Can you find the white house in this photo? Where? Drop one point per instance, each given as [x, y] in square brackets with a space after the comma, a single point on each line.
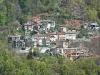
[61, 36]
[63, 28]
[71, 35]
[40, 39]
[28, 25]
[40, 42]
[53, 37]
[65, 44]
[48, 23]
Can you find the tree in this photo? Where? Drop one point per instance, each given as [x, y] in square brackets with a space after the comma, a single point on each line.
[83, 32]
[92, 14]
[3, 12]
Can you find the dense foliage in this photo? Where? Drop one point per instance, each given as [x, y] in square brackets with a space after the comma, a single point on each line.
[47, 65]
[12, 10]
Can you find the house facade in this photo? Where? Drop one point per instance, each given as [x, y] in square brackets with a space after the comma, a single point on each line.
[16, 42]
[28, 25]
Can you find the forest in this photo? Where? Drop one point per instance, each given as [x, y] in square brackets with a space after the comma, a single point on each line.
[17, 12]
[11, 64]
[20, 10]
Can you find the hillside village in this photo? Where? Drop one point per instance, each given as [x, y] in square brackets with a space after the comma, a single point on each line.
[46, 37]
[49, 37]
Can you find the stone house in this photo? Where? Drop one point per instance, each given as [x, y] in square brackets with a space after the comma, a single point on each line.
[16, 42]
